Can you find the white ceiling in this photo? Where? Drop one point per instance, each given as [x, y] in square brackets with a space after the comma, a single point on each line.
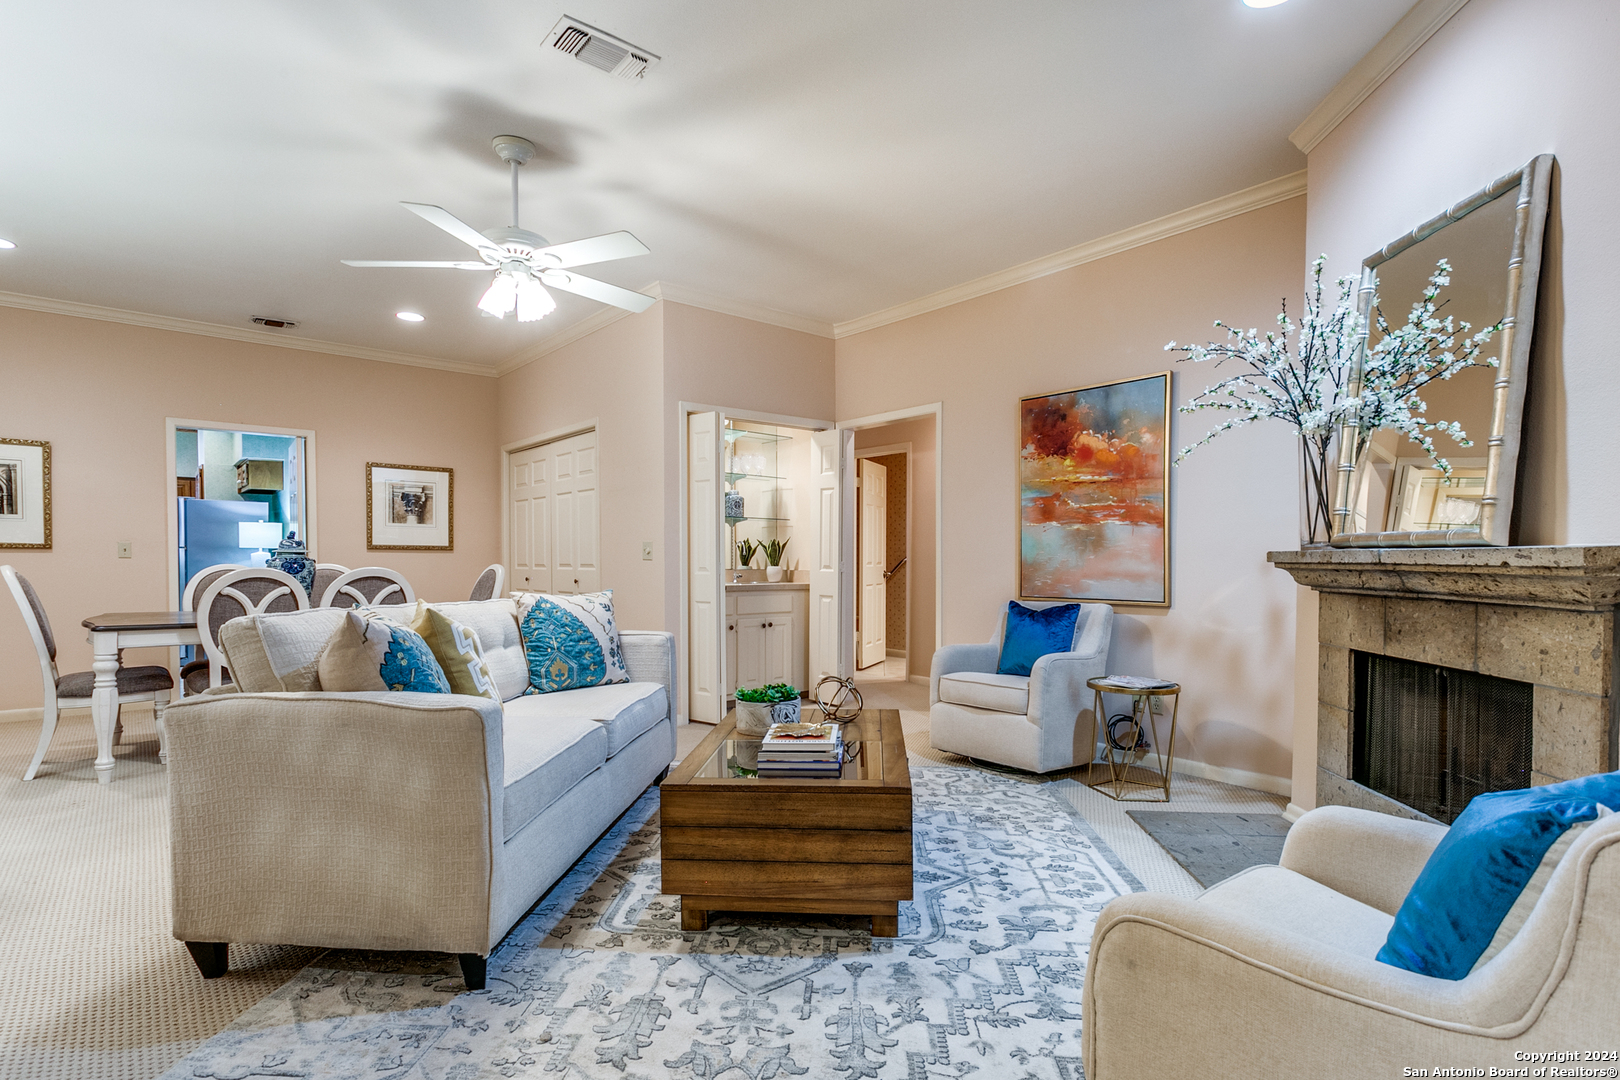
[213, 161]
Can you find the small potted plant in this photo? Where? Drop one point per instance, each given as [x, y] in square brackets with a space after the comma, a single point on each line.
[745, 553]
[758, 709]
[774, 550]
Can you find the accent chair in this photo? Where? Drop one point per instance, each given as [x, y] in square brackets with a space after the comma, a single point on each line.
[1040, 722]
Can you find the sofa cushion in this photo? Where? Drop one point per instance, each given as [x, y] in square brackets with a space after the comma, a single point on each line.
[1292, 902]
[367, 652]
[545, 756]
[495, 623]
[571, 641]
[1032, 633]
[457, 649]
[986, 690]
[623, 710]
[277, 652]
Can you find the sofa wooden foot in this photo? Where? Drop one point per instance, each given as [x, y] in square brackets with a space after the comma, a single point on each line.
[211, 957]
[474, 970]
[661, 777]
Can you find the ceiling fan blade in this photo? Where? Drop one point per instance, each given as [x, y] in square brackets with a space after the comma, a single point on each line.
[598, 290]
[594, 249]
[441, 265]
[444, 219]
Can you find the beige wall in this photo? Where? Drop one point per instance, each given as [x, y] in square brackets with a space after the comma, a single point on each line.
[921, 569]
[1443, 126]
[1229, 635]
[99, 393]
[613, 378]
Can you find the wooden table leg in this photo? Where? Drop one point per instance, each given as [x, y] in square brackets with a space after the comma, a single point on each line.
[104, 700]
[693, 918]
[887, 925]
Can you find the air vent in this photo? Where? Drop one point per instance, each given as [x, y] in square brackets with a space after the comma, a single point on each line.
[602, 51]
[279, 324]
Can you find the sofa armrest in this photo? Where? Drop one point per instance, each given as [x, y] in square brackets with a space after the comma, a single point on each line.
[649, 656]
[951, 658]
[346, 820]
[1367, 856]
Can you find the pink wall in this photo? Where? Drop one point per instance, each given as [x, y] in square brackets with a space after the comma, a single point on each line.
[614, 378]
[99, 393]
[1500, 83]
[1229, 635]
[920, 570]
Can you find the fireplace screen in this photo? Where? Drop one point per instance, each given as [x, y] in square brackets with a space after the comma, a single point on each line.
[1434, 737]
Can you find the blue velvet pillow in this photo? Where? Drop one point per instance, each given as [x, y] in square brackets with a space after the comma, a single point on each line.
[1471, 881]
[1032, 633]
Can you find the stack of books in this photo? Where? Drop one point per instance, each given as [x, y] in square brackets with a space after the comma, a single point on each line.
[802, 750]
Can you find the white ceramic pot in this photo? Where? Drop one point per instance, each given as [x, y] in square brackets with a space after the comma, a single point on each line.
[773, 573]
[753, 717]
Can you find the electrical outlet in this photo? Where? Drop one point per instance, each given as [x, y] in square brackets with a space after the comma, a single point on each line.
[646, 550]
[126, 549]
[1158, 704]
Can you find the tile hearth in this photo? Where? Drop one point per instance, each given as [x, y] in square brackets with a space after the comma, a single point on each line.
[1539, 615]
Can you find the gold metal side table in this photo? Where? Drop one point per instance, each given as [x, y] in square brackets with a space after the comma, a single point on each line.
[1123, 762]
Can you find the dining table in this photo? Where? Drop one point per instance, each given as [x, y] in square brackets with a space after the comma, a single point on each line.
[110, 634]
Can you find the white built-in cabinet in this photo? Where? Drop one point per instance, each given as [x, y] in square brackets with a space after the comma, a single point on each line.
[555, 517]
[767, 635]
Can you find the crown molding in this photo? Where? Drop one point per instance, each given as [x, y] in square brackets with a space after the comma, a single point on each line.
[236, 333]
[1382, 60]
[584, 328]
[680, 294]
[1239, 202]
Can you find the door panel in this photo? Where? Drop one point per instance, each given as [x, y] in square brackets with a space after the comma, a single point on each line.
[706, 700]
[872, 600]
[832, 612]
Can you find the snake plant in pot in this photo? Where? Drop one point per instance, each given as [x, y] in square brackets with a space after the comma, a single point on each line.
[774, 550]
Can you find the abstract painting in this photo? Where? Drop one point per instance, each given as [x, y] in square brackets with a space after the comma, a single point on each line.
[1093, 508]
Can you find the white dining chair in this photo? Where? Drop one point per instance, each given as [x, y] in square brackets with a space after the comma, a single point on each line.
[73, 690]
[243, 591]
[369, 586]
[325, 574]
[489, 583]
[194, 674]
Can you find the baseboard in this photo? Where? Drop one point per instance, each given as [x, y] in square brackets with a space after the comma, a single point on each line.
[1293, 813]
[1271, 785]
[22, 716]
[897, 653]
[920, 680]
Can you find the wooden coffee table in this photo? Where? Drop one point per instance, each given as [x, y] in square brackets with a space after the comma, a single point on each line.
[735, 842]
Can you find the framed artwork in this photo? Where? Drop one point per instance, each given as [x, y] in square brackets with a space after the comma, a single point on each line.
[409, 508]
[1094, 493]
[25, 494]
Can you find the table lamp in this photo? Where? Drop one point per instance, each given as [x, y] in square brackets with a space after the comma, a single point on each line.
[258, 534]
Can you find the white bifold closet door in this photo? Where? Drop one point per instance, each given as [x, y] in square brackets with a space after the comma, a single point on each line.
[556, 517]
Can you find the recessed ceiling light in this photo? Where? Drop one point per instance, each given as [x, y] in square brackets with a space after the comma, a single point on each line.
[6, 245]
[408, 316]
[1263, 3]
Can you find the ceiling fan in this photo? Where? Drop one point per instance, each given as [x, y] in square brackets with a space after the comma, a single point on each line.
[522, 260]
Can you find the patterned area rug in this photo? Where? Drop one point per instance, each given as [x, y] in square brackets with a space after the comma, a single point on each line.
[599, 981]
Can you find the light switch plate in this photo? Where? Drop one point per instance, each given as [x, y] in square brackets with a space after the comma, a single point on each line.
[646, 550]
[126, 549]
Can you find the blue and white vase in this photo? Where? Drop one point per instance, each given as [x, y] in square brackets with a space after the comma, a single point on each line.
[292, 559]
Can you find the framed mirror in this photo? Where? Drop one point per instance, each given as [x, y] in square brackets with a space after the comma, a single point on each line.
[1392, 494]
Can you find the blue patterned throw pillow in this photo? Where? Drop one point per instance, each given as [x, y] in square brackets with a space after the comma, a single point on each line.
[570, 641]
[369, 653]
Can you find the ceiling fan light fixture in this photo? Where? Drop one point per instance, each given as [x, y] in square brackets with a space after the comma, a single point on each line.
[408, 316]
[501, 296]
[6, 245]
[1262, 3]
[533, 301]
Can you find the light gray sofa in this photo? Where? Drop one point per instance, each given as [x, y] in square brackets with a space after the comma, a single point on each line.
[396, 820]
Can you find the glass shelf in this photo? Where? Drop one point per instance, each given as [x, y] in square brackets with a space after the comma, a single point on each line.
[733, 477]
[733, 434]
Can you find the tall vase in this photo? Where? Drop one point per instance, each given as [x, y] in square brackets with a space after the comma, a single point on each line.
[1316, 493]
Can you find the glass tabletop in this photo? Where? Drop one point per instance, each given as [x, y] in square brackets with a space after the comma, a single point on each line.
[738, 759]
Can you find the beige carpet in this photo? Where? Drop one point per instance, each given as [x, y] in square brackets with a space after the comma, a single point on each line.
[99, 989]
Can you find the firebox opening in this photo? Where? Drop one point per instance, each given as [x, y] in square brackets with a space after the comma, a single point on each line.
[1434, 737]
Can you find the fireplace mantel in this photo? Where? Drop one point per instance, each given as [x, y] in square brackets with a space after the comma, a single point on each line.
[1539, 615]
[1568, 578]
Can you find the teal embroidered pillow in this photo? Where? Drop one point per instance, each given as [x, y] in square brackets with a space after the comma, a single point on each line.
[570, 641]
[369, 653]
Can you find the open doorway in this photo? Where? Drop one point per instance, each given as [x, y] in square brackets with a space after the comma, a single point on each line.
[882, 554]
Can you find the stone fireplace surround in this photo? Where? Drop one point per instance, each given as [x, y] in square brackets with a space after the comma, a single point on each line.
[1540, 615]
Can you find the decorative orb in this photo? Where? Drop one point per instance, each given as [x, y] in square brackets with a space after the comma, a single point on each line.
[841, 702]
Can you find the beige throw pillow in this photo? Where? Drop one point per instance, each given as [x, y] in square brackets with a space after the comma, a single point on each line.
[459, 652]
[369, 653]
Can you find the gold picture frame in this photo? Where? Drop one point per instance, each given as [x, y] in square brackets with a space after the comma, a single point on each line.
[1094, 493]
[25, 495]
[410, 507]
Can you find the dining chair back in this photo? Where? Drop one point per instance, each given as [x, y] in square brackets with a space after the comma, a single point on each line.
[201, 580]
[489, 583]
[72, 691]
[325, 574]
[368, 586]
[244, 591]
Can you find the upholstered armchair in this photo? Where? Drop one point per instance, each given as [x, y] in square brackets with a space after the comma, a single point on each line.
[1040, 722]
[1272, 971]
